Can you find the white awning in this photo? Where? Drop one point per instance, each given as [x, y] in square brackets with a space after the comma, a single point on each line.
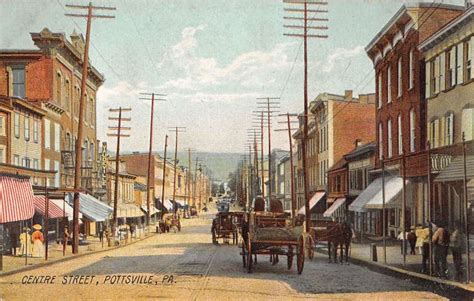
[153, 209]
[129, 210]
[312, 202]
[168, 205]
[371, 197]
[67, 208]
[330, 211]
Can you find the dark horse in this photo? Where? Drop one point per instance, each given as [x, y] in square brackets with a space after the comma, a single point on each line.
[339, 235]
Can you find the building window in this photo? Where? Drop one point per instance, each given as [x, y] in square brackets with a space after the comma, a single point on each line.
[67, 95]
[16, 160]
[451, 76]
[433, 138]
[449, 129]
[47, 134]
[2, 124]
[25, 162]
[459, 63]
[59, 87]
[469, 50]
[2, 154]
[411, 76]
[389, 137]
[18, 81]
[16, 125]
[56, 175]
[35, 130]
[441, 71]
[389, 84]
[400, 134]
[412, 130]
[35, 164]
[27, 128]
[380, 141]
[433, 76]
[399, 77]
[379, 90]
[57, 137]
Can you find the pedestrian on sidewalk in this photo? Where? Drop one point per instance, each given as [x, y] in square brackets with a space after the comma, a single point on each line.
[441, 246]
[403, 241]
[411, 237]
[419, 238]
[457, 246]
[37, 238]
[101, 232]
[424, 236]
[25, 242]
[14, 241]
[66, 236]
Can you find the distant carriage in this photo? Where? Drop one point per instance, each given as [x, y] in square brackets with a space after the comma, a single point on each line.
[171, 222]
[337, 235]
[225, 226]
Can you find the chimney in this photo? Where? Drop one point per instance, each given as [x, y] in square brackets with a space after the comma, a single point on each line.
[358, 142]
[348, 95]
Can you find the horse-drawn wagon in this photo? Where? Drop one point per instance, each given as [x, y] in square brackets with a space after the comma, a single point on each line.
[267, 233]
[335, 234]
[171, 221]
[225, 225]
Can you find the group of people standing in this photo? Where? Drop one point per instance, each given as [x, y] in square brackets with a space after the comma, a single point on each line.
[443, 241]
[30, 244]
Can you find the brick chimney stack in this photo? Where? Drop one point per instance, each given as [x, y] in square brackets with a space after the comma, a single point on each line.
[348, 95]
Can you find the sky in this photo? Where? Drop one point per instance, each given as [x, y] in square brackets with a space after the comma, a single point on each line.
[212, 59]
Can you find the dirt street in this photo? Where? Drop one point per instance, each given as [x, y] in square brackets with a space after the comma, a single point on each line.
[187, 266]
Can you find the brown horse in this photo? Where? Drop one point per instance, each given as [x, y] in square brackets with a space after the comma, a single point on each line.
[339, 235]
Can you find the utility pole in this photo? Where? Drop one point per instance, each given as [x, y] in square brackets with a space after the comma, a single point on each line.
[176, 130]
[164, 179]
[268, 108]
[305, 37]
[290, 143]
[188, 177]
[258, 122]
[117, 132]
[80, 125]
[196, 161]
[148, 178]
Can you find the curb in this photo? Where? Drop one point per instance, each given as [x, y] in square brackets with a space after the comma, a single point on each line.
[49, 263]
[447, 288]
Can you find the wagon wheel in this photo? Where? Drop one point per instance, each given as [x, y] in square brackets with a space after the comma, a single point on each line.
[244, 260]
[290, 257]
[309, 243]
[249, 255]
[300, 255]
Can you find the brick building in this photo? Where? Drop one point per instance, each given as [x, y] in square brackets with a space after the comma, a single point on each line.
[50, 78]
[400, 112]
[336, 123]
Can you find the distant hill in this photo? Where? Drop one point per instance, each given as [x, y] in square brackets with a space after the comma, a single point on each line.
[219, 164]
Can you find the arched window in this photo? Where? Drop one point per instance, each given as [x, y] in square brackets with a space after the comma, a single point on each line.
[380, 141]
[400, 134]
[389, 138]
[67, 92]
[59, 87]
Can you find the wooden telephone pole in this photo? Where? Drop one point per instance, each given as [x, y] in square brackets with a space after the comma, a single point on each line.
[176, 130]
[117, 132]
[80, 130]
[151, 96]
[164, 180]
[290, 143]
[305, 27]
[268, 108]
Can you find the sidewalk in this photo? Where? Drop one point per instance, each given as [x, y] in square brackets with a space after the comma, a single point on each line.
[55, 253]
[361, 252]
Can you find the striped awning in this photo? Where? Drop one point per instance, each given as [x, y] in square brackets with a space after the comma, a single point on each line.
[331, 210]
[318, 196]
[153, 209]
[53, 210]
[455, 170]
[67, 208]
[16, 199]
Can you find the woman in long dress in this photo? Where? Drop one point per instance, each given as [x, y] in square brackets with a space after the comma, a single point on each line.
[37, 238]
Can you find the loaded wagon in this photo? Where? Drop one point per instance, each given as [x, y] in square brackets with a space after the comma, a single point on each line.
[267, 233]
[225, 225]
